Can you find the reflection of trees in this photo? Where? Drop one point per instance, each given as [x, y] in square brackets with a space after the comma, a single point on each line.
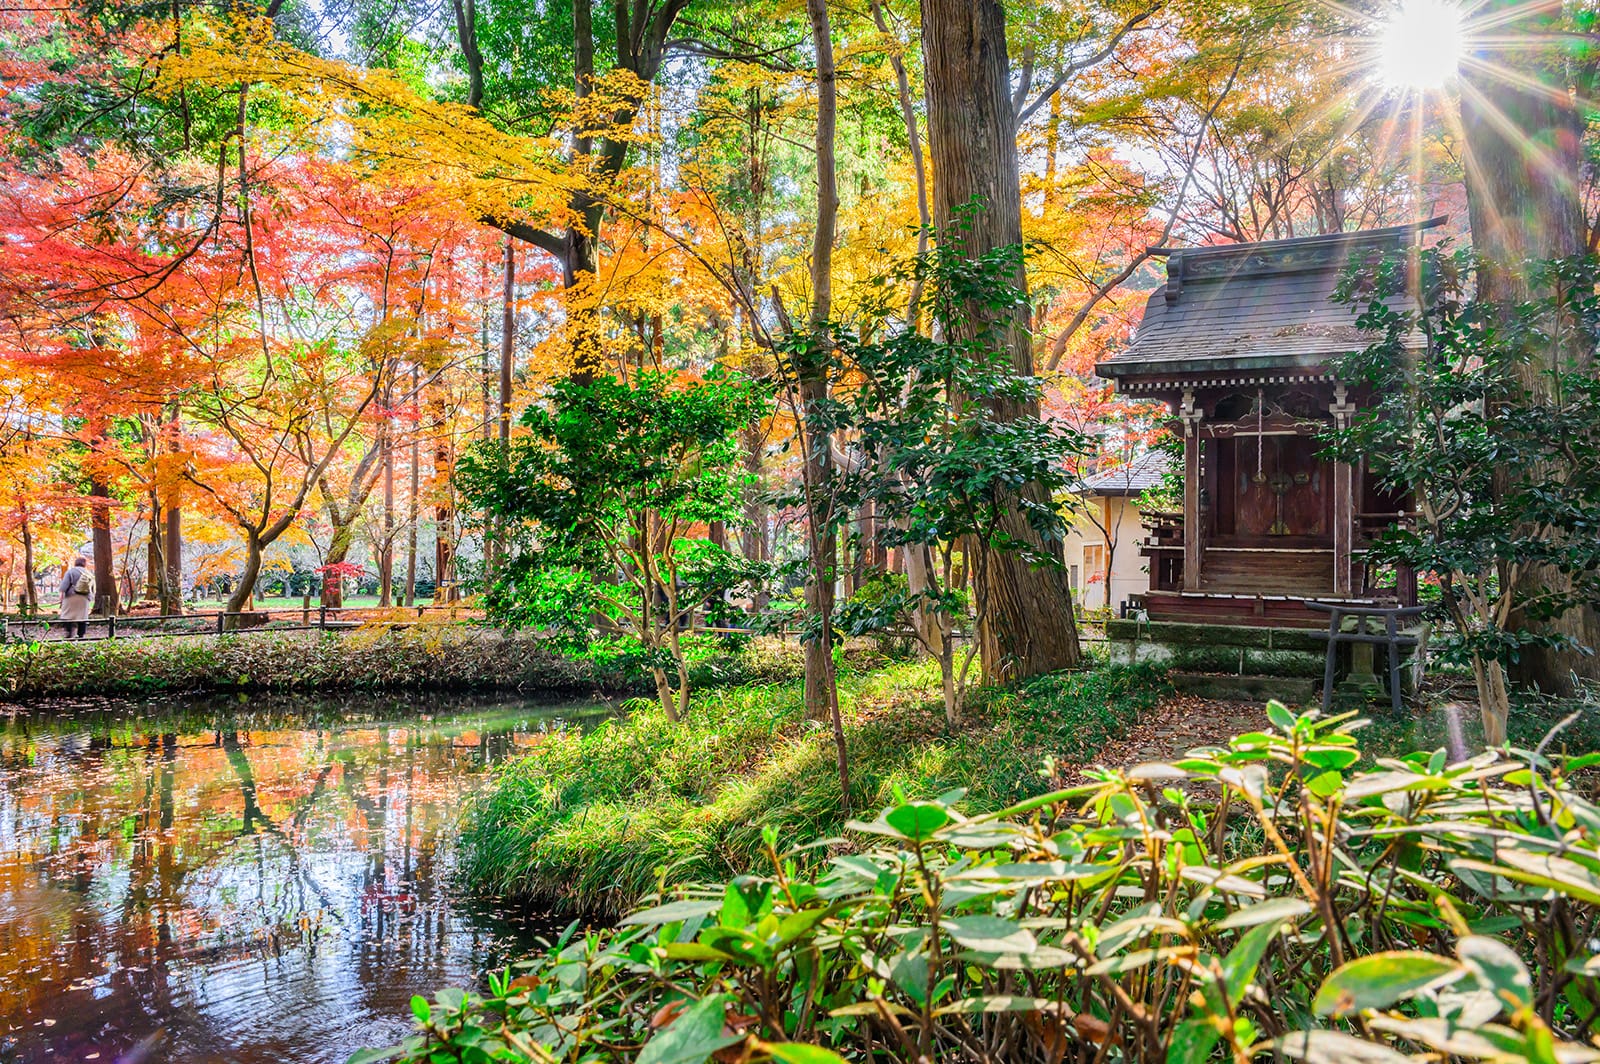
[179, 837]
[254, 818]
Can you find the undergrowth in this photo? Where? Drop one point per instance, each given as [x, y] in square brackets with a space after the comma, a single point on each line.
[593, 822]
[1446, 717]
[426, 657]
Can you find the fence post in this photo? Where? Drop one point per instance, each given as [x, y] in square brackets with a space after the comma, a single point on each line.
[111, 627]
[322, 617]
[221, 618]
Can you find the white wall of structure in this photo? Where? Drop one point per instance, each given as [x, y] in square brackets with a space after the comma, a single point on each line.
[1097, 583]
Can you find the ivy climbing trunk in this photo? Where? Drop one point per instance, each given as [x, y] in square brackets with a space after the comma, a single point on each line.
[1025, 626]
[1523, 156]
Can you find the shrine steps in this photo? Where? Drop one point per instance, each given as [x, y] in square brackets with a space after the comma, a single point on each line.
[1248, 663]
[1306, 573]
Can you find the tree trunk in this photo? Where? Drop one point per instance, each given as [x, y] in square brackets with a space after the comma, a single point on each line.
[386, 554]
[339, 544]
[1523, 158]
[154, 563]
[172, 545]
[415, 486]
[508, 337]
[30, 587]
[754, 536]
[821, 683]
[1026, 627]
[444, 513]
[239, 601]
[105, 572]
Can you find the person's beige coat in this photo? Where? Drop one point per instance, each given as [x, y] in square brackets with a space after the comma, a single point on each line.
[74, 607]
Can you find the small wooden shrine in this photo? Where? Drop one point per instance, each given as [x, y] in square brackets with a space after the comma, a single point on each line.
[1240, 342]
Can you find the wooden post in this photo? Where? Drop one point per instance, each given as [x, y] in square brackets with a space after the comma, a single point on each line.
[1344, 510]
[1343, 528]
[1192, 542]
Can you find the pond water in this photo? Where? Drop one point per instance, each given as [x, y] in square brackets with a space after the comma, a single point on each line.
[261, 879]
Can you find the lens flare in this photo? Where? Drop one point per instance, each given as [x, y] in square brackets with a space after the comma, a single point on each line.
[1420, 45]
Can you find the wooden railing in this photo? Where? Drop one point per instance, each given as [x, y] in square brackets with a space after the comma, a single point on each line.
[21, 627]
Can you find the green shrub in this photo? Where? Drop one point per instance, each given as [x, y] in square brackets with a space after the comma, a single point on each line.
[596, 821]
[424, 657]
[1271, 898]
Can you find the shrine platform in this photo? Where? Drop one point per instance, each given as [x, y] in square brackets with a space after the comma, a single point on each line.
[1242, 608]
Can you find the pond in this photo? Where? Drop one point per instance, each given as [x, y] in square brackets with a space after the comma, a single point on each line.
[261, 879]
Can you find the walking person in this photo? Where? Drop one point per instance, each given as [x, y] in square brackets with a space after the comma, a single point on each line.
[77, 596]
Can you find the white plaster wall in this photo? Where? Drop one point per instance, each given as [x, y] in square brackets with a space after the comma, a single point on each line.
[1130, 570]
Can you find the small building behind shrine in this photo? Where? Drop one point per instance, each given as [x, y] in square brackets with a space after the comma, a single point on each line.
[1106, 535]
[1241, 344]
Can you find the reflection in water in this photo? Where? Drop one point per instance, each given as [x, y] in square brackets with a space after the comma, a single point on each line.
[239, 881]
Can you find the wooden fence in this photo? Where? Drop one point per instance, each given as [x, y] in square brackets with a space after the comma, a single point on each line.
[22, 628]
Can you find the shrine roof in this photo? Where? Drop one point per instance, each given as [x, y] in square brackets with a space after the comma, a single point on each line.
[1254, 306]
[1134, 478]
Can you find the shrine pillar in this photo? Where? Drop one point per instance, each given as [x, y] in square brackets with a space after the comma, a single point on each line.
[1344, 509]
[1193, 545]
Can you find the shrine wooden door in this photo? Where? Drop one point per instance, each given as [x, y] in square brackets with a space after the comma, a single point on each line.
[1281, 489]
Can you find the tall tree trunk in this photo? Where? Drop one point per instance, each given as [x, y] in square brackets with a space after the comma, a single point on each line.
[1523, 157]
[239, 601]
[172, 555]
[753, 537]
[30, 586]
[821, 684]
[1026, 627]
[486, 375]
[444, 512]
[105, 571]
[508, 350]
[411, 514]
[154, 563]
[340, 542]
[172, 545]
[386, 554]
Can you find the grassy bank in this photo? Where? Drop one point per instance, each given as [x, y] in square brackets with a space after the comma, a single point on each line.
[595, 821]
[420, 658]
[1446, 717]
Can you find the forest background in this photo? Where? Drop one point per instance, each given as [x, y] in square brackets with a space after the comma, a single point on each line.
[267, 272]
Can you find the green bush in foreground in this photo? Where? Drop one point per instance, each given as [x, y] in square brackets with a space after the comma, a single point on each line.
[1266, 899]
[596, 821]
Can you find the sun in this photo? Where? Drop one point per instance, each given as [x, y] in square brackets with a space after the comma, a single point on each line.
[1420, 45]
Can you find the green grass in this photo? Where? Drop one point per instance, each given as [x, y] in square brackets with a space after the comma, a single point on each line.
[1449, 719]
[591, 823]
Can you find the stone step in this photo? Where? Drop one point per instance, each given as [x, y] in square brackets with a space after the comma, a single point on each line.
[1291, 691]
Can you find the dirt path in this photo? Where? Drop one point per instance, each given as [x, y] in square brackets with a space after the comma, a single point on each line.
[1180, 724]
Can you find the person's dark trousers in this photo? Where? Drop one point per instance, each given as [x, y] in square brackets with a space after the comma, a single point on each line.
[82, 626]
[83, 629]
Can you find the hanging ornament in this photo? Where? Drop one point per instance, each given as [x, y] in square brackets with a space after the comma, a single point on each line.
[1261, 409]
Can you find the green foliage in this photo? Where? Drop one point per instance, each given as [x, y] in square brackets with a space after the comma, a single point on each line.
[599, 820]
[597, 499]
[418, 659]
[942, 436]
[1166, 495]
[1488, 418]
[1266, 898]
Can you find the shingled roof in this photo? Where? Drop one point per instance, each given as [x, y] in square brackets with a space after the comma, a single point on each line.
[1136, 477]
[1254, 306]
